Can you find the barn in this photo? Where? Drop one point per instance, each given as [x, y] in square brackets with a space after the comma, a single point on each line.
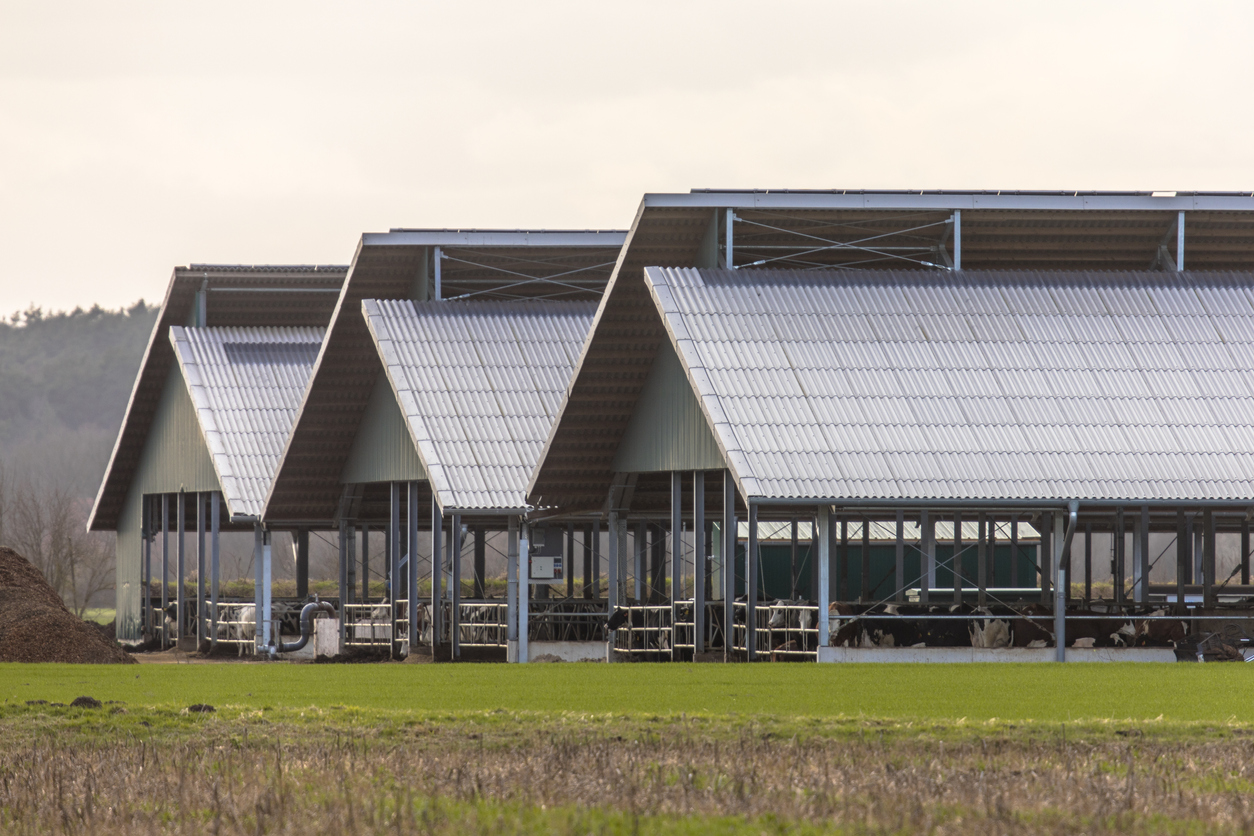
[208, 416]
[974, 382]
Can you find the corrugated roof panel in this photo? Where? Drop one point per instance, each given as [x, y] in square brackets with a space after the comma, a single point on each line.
[486, 378]
[246, 384]
[1123, 389]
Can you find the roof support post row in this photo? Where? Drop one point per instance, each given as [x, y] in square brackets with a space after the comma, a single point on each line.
[180, 569]
[729, 563]
[698, 561]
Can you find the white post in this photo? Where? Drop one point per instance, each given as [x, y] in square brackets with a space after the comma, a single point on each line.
[824, 558]
[524, 592]
[731, 216]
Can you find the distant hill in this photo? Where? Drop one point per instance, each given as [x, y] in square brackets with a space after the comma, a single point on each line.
[65, 378]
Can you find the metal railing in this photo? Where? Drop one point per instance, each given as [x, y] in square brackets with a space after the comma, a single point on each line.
[647, 632]
[368, 625]
[483, 624]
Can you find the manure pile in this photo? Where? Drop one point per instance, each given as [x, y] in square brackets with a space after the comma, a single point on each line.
[36, 627]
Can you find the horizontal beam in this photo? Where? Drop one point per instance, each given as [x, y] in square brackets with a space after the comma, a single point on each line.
[1044, 201]
[609, 239]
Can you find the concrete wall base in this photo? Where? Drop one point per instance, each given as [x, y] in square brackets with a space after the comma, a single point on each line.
[1001, 654]
[565, 651]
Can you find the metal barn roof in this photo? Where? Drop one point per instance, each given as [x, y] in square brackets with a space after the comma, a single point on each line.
[391, 265]
[236, 295]
[479, 384]
[992, 386]
[246, 384]
[1092, 231]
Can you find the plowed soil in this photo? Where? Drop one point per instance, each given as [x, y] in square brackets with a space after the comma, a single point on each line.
[36, 627]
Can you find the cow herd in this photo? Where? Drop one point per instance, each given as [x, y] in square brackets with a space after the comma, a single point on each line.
[962, 625]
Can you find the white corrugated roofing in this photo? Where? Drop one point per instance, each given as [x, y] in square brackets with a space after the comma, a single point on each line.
[246, 385]
[985, 386]
[480, 384]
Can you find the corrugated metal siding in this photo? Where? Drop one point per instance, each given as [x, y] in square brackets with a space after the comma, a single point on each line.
[479, 384]
[667, 431]
[383, 450]
[175, 456]
[982, 386]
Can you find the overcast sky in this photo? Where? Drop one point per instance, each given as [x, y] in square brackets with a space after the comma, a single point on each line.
[139, 136]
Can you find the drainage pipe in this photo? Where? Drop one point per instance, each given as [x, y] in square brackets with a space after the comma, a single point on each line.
[306, 626]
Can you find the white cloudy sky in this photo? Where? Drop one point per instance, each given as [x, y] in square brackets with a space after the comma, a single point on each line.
[135, 136]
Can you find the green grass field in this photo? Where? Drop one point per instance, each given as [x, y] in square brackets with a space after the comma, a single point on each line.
[626, 749]
[1044, 693]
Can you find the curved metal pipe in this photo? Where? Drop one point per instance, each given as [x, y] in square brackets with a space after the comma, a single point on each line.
[306, 627]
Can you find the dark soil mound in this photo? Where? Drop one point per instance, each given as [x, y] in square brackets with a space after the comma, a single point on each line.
[36, 627]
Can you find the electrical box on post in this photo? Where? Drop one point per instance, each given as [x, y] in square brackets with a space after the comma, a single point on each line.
[546, 555]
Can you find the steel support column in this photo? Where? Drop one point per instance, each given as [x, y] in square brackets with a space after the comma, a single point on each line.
[267, 589]
[956, 561]
[751, 586]
[899, 560]
[394, 590]
[843, 592]
[437, 570]
[957, 239]
[1121, 546]
[1182, 559]
[215, 519]
[481, 564]
[611, 569]
[1208, 558]
[165, 568]
[729, 562]
[864, 570]
[1088, 562]
[511, 588]
[569, 566]
[677, 542]
[180, 551]
[641, 544]
[824, 530]
[200, 570]
[1014, 551]
[1144, 562]
[792, 560]
[927, 533]
[302, 563]
[1245, 550]
[365, 564]
[524, 587]
[258, 606]
[698, 561]
[1180, 240]
[981, 560]
[587, 562]
[455, 620]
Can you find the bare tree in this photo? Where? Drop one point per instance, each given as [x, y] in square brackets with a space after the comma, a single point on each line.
[46, 524]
